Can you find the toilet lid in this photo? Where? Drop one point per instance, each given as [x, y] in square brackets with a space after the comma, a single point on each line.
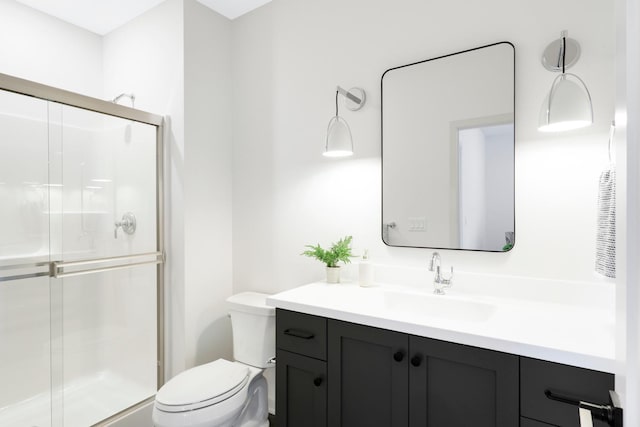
[203, 385]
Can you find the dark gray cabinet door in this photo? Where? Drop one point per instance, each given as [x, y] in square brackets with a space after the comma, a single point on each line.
[301, 387]
[538, 376]
[368, 376]
[453, 385]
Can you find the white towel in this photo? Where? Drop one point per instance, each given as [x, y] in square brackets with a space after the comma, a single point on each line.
[606, 234]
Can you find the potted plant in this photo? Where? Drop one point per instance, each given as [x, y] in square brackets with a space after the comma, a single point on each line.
[339, 252]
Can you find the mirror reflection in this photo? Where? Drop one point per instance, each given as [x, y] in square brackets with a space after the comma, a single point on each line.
[448, 151]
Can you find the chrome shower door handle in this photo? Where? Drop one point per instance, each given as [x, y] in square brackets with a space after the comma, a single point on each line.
[128, 224]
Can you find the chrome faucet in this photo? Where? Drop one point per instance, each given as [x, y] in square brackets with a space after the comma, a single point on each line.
[440, 283]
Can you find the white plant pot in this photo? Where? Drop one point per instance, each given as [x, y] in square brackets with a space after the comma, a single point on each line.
[333, 274]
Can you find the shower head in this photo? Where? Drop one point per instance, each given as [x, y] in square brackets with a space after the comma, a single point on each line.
[131, 96]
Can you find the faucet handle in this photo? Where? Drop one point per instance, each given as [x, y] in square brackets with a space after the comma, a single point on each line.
[432, 262]
[447, 280]
[128, 224]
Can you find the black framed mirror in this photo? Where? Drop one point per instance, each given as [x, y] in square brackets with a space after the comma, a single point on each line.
[448, 143]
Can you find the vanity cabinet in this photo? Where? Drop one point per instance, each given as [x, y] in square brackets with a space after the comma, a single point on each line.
[381, 378]
[301, 370]
[341, 374]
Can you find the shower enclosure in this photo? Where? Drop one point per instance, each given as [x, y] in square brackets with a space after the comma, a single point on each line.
[81, 257]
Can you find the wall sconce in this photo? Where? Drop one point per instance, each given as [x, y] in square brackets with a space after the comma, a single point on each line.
[339, 140]
[568, 103]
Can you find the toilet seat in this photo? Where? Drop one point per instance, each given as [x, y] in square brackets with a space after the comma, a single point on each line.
[203, 386]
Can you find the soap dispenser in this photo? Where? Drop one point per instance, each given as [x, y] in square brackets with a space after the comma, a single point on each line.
[365, 271]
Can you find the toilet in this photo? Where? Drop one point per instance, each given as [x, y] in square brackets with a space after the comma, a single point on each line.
[224, 393]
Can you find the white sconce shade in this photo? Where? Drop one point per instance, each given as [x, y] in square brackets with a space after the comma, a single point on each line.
[567, 106]
[339, 139]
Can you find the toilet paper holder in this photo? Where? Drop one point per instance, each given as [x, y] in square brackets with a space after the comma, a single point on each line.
[610, 413]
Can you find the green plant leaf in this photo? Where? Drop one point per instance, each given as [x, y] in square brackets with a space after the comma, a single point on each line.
[339, 252]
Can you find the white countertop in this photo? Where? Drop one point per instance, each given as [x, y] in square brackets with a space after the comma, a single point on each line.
[576, 331]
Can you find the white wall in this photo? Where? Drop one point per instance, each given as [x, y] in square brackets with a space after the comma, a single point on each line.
[39, 47]
[254, 258]
[207, 183]
[292, 54]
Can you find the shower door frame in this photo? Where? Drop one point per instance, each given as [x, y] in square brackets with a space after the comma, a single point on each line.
[61, 96]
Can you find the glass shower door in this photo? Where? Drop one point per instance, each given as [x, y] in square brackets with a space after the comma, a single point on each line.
[25, 300]
[104, 245]
[80, 280]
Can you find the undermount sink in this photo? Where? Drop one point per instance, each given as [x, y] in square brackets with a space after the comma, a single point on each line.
[438, 306]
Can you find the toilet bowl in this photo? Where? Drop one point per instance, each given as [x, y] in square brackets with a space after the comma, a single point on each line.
[224, 393]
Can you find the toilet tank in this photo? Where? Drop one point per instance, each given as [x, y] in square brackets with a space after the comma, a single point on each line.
[254, 328]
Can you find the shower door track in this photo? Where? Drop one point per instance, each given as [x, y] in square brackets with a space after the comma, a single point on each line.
[55, 269]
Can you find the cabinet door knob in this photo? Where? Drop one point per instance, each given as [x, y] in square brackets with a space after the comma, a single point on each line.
[416, 360]
[398, 356]
[317, 381]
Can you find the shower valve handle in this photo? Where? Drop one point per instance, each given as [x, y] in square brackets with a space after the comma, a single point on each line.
[128, 224]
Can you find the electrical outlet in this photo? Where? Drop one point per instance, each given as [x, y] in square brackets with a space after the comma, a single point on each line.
[417, 223]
